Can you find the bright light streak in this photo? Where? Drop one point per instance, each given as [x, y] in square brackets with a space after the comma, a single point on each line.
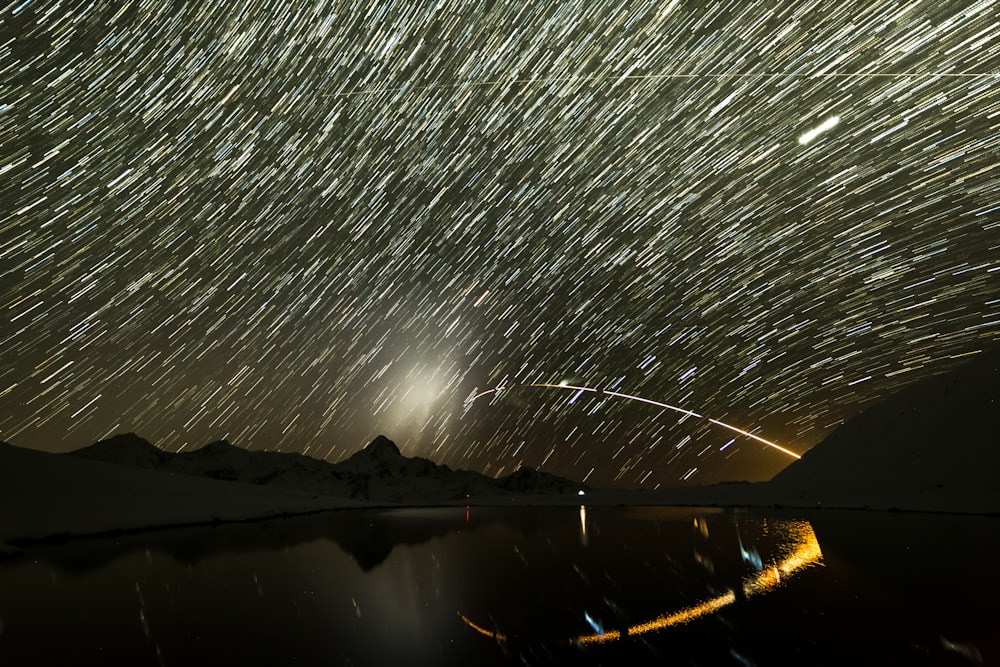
[669, 8]
[594, 624]
[483, 393]
[659, 404]
[481, 630]
[665, 76]
[826, 125]
[804, 551]
[756, 437]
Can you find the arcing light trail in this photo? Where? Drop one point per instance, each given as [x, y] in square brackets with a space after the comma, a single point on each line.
[598, 78]
[659, 404]
[804, 552]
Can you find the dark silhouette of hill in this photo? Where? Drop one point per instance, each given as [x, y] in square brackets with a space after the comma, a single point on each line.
[379, 472]
[932, 445]
[527, 480]
[126, 449]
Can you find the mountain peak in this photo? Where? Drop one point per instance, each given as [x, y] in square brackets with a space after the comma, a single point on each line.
[220, 445]
[382, 447]
[126, 440]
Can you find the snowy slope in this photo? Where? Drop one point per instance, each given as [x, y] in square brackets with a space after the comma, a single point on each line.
[379, 472]
[44, 495]
[223, 461]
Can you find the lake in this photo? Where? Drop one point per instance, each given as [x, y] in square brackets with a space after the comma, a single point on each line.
[479, 585]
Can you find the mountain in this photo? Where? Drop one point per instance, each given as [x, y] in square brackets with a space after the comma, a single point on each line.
[379, 472]
[529, 480]
[221, 460]
[50, 496]
[932, 445]
[125, 449]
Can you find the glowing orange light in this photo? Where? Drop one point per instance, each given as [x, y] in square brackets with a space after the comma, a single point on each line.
[804, 551]
[481, 630]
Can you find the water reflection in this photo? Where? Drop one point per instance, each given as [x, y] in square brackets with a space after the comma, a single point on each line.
[799, 549]
[369, 536]
[487, 586]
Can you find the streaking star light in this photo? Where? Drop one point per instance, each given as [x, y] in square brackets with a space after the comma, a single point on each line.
[825, 126]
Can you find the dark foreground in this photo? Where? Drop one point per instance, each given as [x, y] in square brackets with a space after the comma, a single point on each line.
[607, 585]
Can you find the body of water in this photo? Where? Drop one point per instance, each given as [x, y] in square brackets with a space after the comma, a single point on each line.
[521, 585]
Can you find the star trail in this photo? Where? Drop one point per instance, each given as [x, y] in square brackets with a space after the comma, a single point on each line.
[300, 224]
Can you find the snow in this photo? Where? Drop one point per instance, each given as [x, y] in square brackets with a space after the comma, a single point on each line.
[46, 496]
[379, 472]
[49, 495]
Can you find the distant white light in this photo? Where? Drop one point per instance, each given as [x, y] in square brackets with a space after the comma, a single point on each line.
[580, 492]
[669, 8]
[765, 153]
[826, 125]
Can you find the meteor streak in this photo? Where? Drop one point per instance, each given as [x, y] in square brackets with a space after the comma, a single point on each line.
[606, 392]
[597, 78]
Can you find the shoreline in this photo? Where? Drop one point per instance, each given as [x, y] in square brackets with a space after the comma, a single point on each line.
[16, 546]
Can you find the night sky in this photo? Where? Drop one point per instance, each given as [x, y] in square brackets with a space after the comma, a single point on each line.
[297, 225]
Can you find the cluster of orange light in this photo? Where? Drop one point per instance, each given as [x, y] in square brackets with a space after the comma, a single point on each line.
[685, 615]
[805, 551]
[481, 630]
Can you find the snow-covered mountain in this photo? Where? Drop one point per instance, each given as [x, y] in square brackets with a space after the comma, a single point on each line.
[378, 472]
[47, 496]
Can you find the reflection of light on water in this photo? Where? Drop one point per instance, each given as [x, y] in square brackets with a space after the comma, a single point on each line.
[801, 552]
[481, 630]
[598, 628]
[583, 525]
[678, 617]
[805, 551]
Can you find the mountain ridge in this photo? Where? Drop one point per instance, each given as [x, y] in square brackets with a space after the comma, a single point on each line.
[379, 471]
